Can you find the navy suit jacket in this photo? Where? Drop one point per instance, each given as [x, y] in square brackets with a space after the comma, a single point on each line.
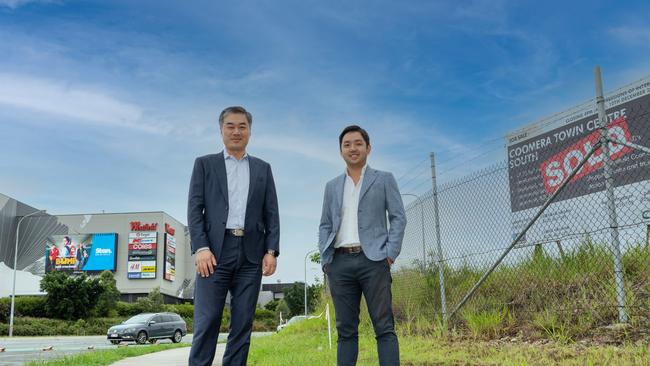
[207, 209]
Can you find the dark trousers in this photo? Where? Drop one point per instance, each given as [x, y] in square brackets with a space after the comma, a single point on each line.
[242, 278]
[350, 276]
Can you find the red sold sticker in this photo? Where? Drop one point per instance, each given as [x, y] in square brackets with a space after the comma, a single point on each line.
[556, 169]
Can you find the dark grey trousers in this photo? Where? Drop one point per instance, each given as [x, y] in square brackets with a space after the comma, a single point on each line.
[350, 276]
[242, 278]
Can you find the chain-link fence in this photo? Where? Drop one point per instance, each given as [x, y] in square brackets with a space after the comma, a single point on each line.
[554, 240]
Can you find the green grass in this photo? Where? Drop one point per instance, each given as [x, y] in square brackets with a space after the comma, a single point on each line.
[306, 343]
[105, 357]
[566, 297]
[487, 323]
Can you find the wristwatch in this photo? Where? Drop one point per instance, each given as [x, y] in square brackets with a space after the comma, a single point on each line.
[271, 252]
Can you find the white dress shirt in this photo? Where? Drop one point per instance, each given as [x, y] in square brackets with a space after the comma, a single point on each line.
[238, 173]
[348, 234]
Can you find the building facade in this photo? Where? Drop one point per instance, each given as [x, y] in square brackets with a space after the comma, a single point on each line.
[144, 250]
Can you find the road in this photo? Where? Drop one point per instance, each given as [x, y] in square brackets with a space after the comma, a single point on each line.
[19, 350]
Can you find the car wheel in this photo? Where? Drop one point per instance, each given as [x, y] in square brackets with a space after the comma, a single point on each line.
[178, 336]
[115, 342]
[142, 337]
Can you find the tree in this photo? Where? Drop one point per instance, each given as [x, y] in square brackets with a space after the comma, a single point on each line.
[70, 297]
[294, 296]
[109, 297]
[271, 305]
[151, 303]
[282, 310]
[315, 258]
[156, 298]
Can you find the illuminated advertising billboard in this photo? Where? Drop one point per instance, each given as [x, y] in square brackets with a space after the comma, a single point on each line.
[142, 254]
[81, 252]
[170, 257]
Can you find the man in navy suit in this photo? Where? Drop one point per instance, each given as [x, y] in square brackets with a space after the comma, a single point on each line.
[234, 226]
[360, 236]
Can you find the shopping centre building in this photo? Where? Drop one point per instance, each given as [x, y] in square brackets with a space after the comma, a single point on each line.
[144, 250]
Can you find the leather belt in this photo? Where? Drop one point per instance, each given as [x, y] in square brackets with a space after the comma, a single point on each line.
[349, 250]
[235, 232]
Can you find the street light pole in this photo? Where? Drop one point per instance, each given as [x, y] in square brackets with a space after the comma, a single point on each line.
[13, 291]
[307, 255]
[424, 248]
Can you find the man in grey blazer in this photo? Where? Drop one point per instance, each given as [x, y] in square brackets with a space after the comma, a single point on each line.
[234, 226]
[358, 247]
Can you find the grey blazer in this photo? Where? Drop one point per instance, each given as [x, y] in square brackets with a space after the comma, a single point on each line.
[207, 208]
[379, 195]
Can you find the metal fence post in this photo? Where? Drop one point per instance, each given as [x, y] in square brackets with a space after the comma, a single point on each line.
[441, 270]
[611, 204]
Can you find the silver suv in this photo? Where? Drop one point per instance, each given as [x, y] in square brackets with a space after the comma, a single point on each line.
[149, 327]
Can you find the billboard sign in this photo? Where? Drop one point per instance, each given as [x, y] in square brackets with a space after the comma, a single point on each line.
[81, 252]
[142, 254]
[170, 257]
[543, 154]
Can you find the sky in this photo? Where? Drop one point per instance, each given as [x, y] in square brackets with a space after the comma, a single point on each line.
[105, 105]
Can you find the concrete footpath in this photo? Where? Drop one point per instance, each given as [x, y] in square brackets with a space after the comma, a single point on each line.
[172, 357]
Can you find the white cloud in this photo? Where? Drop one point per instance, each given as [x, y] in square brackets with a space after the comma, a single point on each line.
[13, 4]
[632, 35]
[307, 148]
[80, 103]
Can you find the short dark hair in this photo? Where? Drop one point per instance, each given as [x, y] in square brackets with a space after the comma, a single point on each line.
[354, 128]
[237, 110]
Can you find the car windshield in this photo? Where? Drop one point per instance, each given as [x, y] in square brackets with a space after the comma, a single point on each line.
[142, 318]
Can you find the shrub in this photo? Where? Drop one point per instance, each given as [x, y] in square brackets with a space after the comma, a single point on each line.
[31, 306]
[25, 306]
[262, 314]
[5, 307]
[153, 303]
[184, 310]
[28, 326]
[126, 309]
[70, 297]
[271, 305]
[108, 297]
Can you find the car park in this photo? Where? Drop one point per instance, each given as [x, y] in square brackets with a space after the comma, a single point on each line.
[148, 327]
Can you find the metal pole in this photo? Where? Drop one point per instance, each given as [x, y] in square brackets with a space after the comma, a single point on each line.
[307, 255]
[436, 217]
[13, 290]
[523, 232]
[611, 204]
[424, 247]
[631, 145]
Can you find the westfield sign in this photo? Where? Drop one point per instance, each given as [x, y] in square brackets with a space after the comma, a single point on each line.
[169, 229]
[138, 226]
